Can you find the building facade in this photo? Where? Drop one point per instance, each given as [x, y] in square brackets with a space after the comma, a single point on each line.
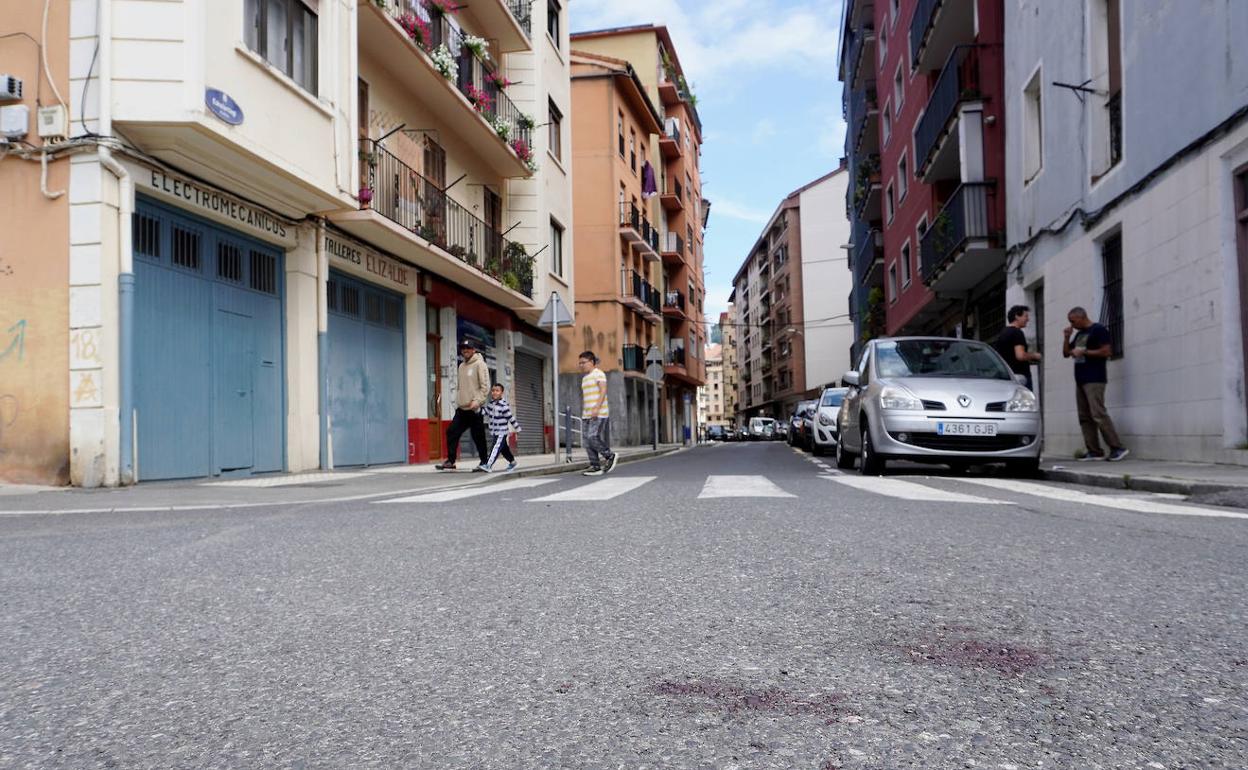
[1129, 191]
[729, 340]
[712, 407]
[780, 334]
[924, 102]
[275, 230]
[638, 161]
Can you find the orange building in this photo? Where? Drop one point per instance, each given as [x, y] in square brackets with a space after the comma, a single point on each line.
[639, 217]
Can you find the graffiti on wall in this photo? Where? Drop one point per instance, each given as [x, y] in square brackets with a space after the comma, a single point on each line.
[17, 341]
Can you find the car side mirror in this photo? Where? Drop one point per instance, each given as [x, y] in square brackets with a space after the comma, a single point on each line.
[850, 379]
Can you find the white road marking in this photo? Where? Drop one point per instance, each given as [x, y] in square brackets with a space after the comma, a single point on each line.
[908, 490]
[1139, 505]
[741, 486]
[474, 491]
[599, 490]
[286, 481]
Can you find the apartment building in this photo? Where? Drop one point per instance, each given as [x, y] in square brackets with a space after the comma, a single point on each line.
[787, 324]
[711, 403]
[731, 375]
[1127, 174]
[924, 103]
[642, 168]
[266, 229]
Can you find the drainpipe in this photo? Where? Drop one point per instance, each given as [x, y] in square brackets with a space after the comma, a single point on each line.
[125, 276]
[322, 343]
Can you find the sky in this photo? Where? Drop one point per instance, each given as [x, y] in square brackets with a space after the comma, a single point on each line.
[764, 72]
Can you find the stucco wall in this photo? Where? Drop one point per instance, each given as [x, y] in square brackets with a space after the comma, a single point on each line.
[826, 280]
[35, 344]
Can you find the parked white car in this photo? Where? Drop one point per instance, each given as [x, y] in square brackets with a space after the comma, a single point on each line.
[937, 399]
[824, 422]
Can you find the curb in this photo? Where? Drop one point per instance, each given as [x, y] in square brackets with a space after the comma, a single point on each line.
[581, 465]
[1138, 483]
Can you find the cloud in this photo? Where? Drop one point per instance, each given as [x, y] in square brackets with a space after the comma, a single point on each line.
[763, 130]
[733, 210]
[718, 40]
[831, 132]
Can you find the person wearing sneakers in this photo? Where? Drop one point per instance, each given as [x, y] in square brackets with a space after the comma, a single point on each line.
[595, 425]
[1090, 345]
[500, 422]
[473, 390]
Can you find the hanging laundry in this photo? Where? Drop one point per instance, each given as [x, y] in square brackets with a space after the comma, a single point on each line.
[649, 188]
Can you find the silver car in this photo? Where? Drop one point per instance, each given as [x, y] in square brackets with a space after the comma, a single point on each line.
[937, 399]
[824, 427]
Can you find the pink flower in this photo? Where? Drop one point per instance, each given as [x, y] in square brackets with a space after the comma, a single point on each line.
[479, 98]
[445, 7]
[498, 79]
[416, 28]
[522, 149]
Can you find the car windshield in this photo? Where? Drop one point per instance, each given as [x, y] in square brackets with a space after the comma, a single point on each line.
[833, 398]
[939, 358]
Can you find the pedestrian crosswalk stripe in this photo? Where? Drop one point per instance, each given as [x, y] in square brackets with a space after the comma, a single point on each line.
[1105, 501]
[741, 486]
[599, 490]
[908, 490]
[449, 495]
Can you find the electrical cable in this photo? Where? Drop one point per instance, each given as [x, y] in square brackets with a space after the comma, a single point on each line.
[38, 59]
[43, 52]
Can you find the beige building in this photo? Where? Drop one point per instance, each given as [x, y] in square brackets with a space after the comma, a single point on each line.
[639, 167]
[278, 219]
[711, 395]
[731, 374]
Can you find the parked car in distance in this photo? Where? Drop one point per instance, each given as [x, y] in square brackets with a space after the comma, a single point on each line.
[762, 429]
[730, 434]
[716, 433]
[937, 399]
[824, 420]
[797, 432]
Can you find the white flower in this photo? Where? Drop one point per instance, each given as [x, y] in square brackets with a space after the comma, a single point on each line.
[478, 46]
[445, 62]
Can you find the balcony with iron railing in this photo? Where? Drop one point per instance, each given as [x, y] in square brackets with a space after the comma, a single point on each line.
[674, 304]
[962, 246]
[676, 356]
[504, 22]
[937, 27]
[864, 120]
[673, 249]
[640, 294]
[522, 12]
[868, 257]
[424, 225]
[861, 67]
[635, 228]
[634, 357]
[866, 190]
[454, 76]
[673, 196]
[670, 140]
[937, 139]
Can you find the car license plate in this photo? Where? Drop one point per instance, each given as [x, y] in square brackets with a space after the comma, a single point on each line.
[966, 429]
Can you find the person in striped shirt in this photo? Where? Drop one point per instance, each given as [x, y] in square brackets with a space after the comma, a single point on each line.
[595, 427]
[500, 422]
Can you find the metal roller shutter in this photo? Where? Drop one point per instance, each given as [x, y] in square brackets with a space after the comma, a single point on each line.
[530, 404]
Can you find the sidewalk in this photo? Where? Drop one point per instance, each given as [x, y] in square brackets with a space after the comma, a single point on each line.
[1149, 475]
[287, 488]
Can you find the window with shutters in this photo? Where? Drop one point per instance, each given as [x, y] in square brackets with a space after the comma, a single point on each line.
[185, 252]
[229, 262]
[263, 272]
[1111, 308]
[146, 235]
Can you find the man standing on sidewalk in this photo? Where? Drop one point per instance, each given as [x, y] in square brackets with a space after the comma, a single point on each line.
[1012, 343]
[595, 426]
[1090, 345]
[473, 390]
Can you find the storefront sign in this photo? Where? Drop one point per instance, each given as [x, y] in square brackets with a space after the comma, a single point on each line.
[200, 199]
[223, 106]
[353, 255]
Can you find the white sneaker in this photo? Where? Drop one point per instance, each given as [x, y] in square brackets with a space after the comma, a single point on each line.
[594, 472]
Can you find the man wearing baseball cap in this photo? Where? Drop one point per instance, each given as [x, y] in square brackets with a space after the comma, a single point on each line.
[473, 393]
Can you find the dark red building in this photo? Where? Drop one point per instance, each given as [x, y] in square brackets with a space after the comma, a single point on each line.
[926, 139]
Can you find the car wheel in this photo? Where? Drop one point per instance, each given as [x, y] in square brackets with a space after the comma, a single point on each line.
[844, 460]
[1024, 469]
[869, 464]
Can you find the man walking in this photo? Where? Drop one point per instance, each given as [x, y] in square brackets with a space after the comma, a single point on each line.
[473, 390]
[595, 426]
[1090, 345]
[1012, 343]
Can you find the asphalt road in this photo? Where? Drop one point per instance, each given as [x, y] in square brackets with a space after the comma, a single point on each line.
[729, 606]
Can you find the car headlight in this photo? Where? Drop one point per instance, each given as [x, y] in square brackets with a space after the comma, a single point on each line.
[896, 397]
[826, 420]
[1023, 400]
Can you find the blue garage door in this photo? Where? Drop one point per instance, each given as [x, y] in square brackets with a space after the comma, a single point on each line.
[208, 348]
[368, 418]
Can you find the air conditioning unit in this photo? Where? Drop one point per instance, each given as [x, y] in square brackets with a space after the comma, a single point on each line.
[10, 88]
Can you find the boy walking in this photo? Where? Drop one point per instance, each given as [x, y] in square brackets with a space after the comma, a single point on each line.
[595, 427]
[500, 422]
